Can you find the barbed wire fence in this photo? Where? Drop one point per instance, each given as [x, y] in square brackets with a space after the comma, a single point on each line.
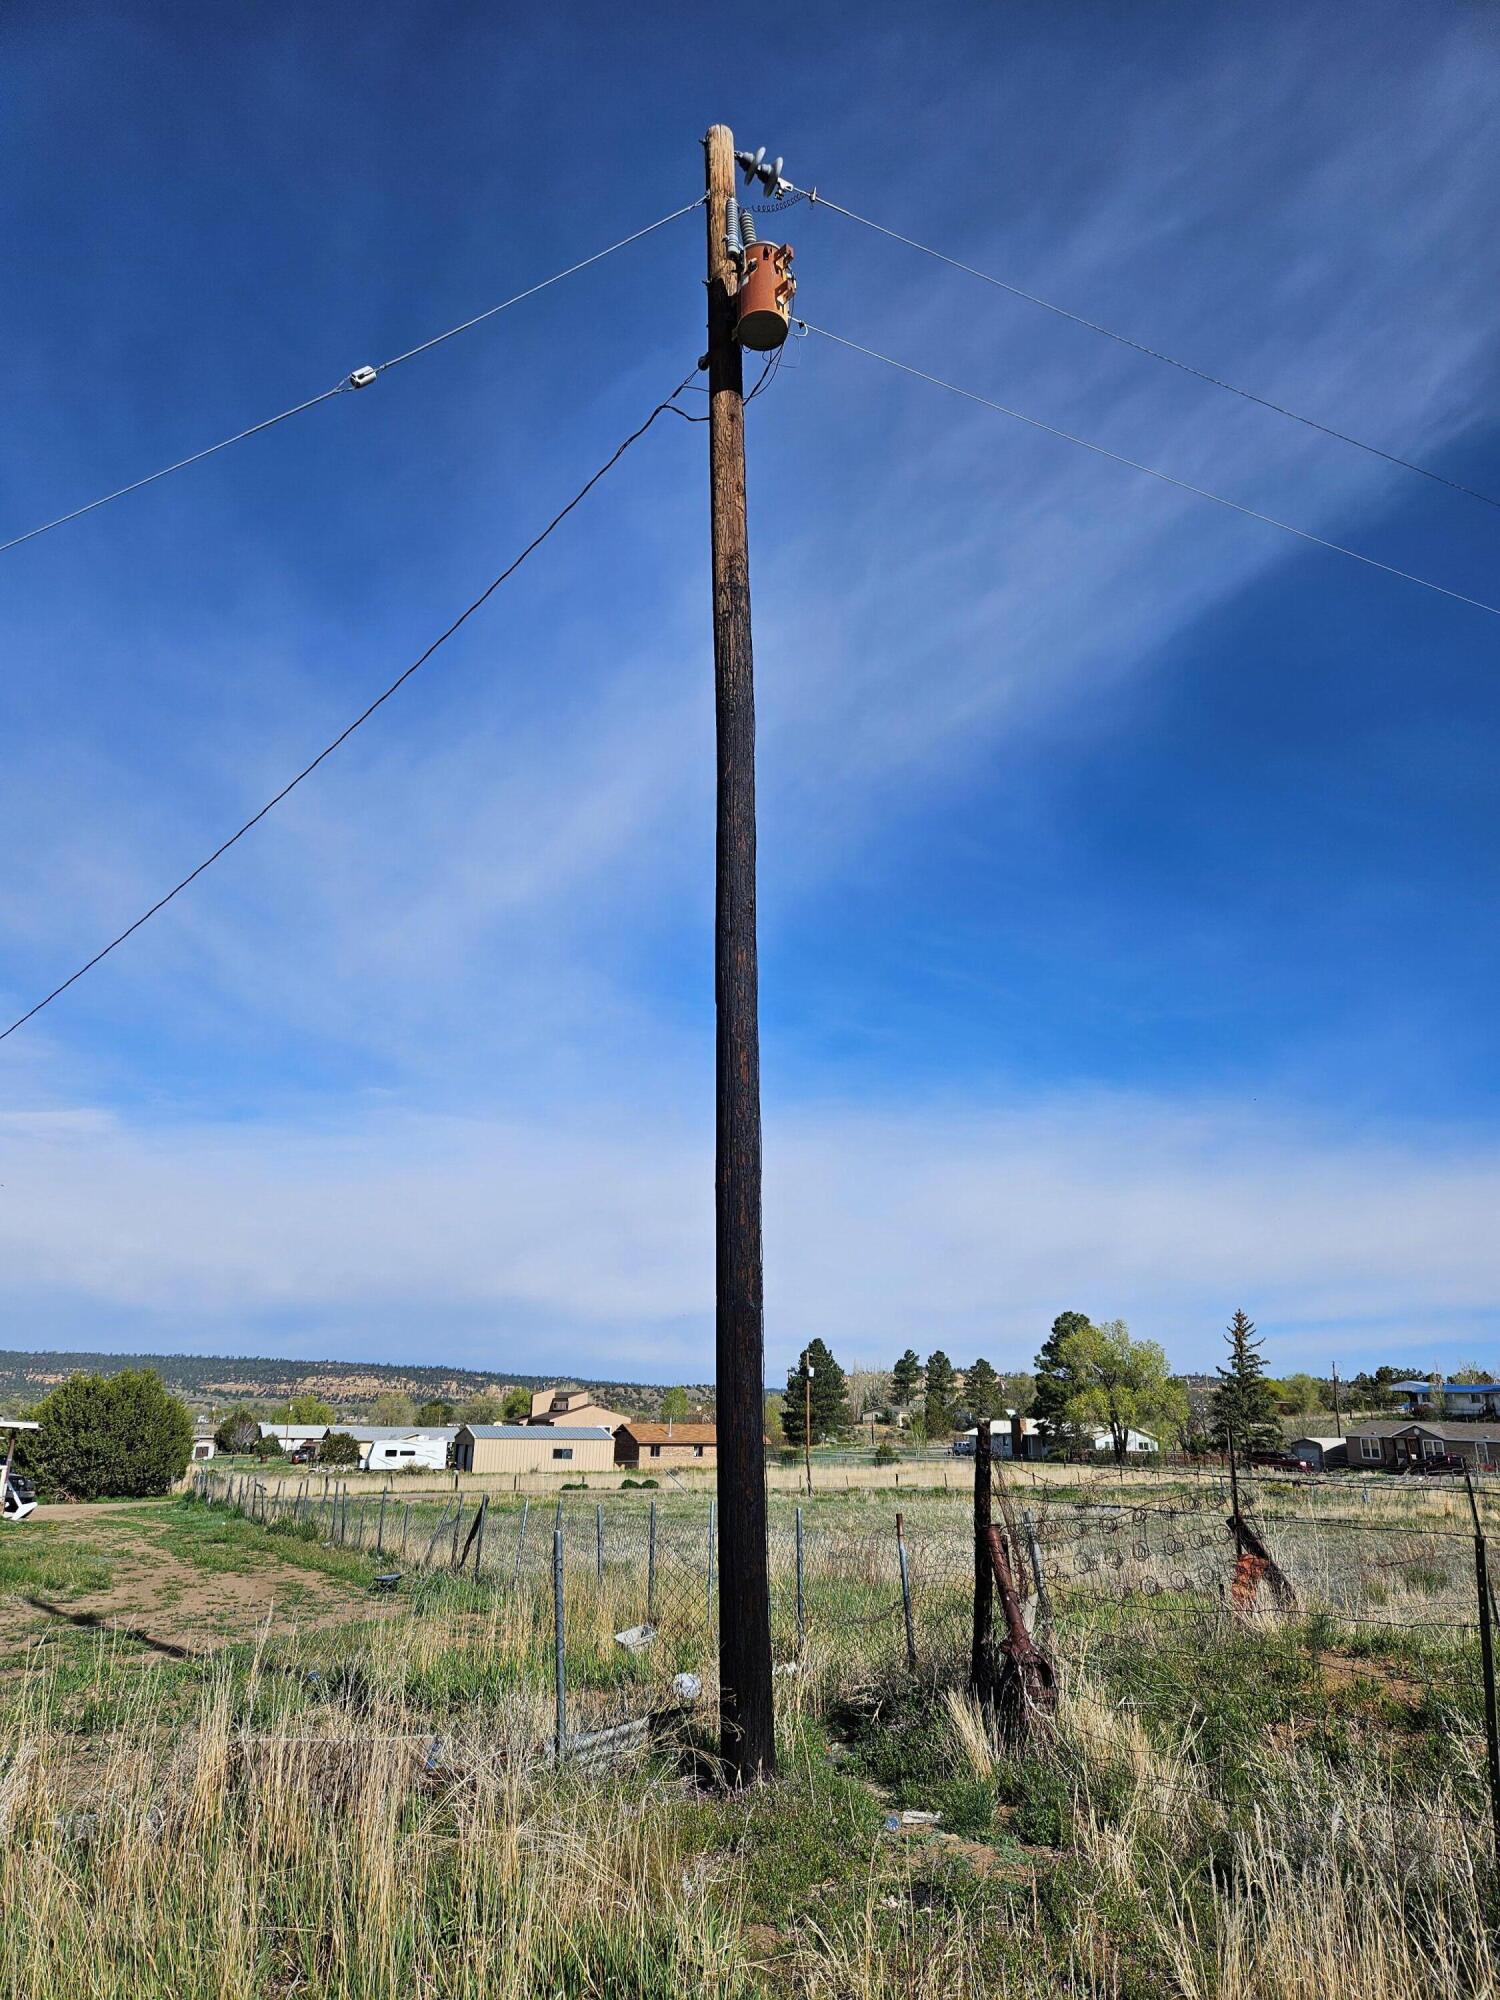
[618, 1595]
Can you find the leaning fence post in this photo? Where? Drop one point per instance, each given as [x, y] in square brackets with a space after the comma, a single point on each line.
[1487, 1660]
[521, 1539]
[380, 1524]
[484, 1508]
[982, 1653]
[911, 1637]
[458, 1516]
[559, 1655]
[651, 1564]
[599, 1540]
[801, 1595]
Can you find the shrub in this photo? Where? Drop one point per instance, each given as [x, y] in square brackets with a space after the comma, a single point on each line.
[338, 1448]
[119, 1435]
[886, 1453]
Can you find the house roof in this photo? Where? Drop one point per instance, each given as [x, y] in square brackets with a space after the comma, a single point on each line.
[673, 1433]
[1426, 1426]
[1327, 1444]
[531, 1433]
[1426, 1388]
[378, 1433]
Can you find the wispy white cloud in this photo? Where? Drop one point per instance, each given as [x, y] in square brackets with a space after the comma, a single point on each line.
[506, 1243]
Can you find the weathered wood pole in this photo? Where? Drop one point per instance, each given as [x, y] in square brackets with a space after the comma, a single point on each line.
[746, 1711]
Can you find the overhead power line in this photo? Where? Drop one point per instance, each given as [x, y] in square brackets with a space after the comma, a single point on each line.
[1156, 354]
[667, 403]
[1152, 471]
[359, 378]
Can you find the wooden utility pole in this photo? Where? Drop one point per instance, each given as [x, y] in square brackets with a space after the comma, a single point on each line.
[746, 1711]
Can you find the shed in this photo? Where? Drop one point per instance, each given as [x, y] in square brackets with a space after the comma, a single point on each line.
[528, 1448]
[1322, 1454]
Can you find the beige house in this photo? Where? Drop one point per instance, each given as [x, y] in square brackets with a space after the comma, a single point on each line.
[670, 1446]
[526, 1448]
[572, 1406]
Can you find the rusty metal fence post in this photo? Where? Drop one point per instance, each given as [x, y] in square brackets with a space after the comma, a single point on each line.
[1487, 1660]
[911, 1636]
[559, 1645]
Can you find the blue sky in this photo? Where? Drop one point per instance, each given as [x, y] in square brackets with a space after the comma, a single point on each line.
[1127, 868]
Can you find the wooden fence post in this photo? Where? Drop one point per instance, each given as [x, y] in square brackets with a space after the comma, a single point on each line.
[982, 1652]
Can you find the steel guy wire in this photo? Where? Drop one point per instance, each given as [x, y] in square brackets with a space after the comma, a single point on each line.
[359, 378]
[1152, 471]
[667, 403]
[1156, 354]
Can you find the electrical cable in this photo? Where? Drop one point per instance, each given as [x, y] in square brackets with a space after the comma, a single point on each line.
[360, 378]
[1154, 472]
[1156, 354]
[667, 403]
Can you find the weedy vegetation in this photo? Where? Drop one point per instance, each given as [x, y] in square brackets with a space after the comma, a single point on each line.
[360, 1800]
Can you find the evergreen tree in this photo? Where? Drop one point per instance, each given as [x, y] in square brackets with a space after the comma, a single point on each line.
[982, 1392]
[1244, 1404]
[829, 1398]
[938, 1402]
[439, 1411]
[115, 1436]
[1054, 1381]
[338, 1448]
[905, 1376]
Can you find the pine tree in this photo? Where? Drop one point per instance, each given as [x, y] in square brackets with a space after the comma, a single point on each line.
[829, 1399]
[1054, 1380]
[905, 1376]
[937, 1406]
[982, 1392]
[1244, 1404]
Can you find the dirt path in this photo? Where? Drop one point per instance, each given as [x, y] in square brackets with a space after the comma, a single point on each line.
[109, 1568]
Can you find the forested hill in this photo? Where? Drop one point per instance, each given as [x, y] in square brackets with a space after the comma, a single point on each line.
[208, 1380]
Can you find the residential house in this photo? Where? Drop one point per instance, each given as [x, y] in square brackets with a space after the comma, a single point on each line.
[572, 1406]
[1136, 1442]
[1403, 1445]
[1476, 1400]
[296, 1437]
[670, 1446]
[1320, 1454]
[523, 1449]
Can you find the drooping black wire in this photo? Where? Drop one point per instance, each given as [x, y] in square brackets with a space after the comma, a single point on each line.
[667, 403]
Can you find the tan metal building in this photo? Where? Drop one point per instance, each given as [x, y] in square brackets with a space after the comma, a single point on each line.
[666, 1445]
[572, 1406]
[529, 1448]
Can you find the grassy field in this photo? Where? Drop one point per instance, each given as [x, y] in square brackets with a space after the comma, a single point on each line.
[230, 1769]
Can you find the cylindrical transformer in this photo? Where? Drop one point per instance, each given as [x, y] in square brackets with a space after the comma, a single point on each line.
[766, 292]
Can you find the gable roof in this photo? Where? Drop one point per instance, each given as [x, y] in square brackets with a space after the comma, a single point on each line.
[673, 1433]
[536, 1433]
[1427, 1427]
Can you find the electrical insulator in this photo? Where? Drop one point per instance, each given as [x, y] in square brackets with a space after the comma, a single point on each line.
[766, 291]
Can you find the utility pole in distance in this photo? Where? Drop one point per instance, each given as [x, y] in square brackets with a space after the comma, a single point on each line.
[747, 1720]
